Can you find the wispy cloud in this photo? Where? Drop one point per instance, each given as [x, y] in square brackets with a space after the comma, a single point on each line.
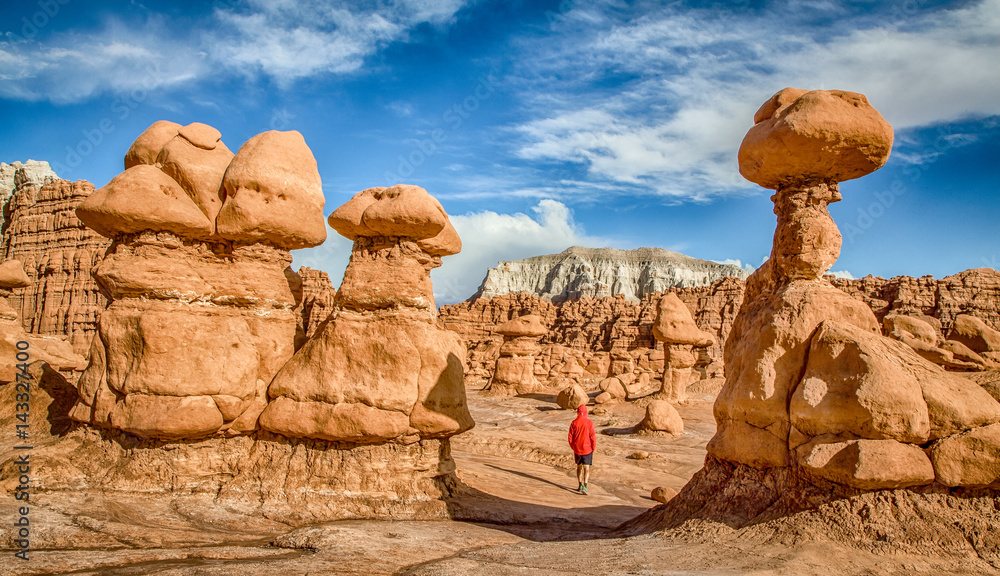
[659, 103]
[73, 66]
[280, 39]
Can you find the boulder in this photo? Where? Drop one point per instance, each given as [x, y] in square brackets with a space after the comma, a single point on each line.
[661, 416]
[866, 464]
[971, 458]
[572, 397]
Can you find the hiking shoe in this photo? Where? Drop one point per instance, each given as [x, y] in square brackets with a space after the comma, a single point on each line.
[584, 489]
[580, 488]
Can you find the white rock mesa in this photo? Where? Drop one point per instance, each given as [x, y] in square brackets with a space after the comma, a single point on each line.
[599, 272]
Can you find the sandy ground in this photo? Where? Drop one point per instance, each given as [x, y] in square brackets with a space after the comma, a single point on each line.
[520, 515]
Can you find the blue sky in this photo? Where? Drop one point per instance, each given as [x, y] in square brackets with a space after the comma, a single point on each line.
[538, 124]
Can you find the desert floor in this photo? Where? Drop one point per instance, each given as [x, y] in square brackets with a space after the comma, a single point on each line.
[520, 515]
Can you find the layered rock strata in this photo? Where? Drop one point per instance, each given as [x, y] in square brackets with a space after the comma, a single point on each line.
[58, 252]
[317, 302]
[17, 348]
[379, 369]
[515, 368]
[198, 277]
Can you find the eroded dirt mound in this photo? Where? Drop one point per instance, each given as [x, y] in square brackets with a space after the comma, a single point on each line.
[726, 501]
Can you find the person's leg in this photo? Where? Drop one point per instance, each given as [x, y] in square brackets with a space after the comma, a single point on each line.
[586, 475]
[579, 475]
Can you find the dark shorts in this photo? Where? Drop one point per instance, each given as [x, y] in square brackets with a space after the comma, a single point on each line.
[586, 459]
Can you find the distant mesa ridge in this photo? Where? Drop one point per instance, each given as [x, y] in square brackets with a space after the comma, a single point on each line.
[580, 272]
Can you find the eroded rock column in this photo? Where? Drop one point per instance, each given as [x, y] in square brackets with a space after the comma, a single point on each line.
[811, 382]
[675, 327]
[515, 369]
[380, 370]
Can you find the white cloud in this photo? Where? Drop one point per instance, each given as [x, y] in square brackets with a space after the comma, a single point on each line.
[120, 59]
[288, 40]
[844, 274]
[489, 237]
[694, 79]
[281, 39]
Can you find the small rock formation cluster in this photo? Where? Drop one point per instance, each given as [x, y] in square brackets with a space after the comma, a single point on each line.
[515, 369]
[57, 353]
[811, 382]
[379, 369]
[603, 272]
[680, 336]
[975, 292]
[594, 339]
[201, 294]
[58, 251]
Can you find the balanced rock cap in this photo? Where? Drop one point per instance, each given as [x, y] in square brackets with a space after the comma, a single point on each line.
[403, 211]
[530, 325]
[12, 275]
[818, 135]
[674, 324]
[273, 193]
[143, 198]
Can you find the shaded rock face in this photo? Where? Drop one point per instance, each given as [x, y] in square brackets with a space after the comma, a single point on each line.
[200, 318]
[379, 369]
[318, 294]
[32, 172]
[811, 382]
[58, 251]
[601, 272]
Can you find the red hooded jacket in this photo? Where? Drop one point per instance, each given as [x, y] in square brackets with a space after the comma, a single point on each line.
[582, 438]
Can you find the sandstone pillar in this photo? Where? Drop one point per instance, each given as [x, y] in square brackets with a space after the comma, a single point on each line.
[515, 368]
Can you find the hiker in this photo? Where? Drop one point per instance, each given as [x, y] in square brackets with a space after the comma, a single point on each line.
[583, 440]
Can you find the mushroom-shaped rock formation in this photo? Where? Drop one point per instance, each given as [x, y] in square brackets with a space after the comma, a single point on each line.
[810, 379]
[821, 415]
[515, 368]
[16, 346]
[199, 321]
[675, 327]
[379, 370]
